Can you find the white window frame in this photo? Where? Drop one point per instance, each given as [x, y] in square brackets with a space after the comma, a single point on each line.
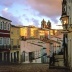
[4, 40]
[8, 25]
[1, 38]
[5, 26]
[8, 41]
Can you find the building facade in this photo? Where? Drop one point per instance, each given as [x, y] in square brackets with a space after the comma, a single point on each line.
[34, 51]
[15, 44]
[5, 47]
[29, 31]
[66, 10]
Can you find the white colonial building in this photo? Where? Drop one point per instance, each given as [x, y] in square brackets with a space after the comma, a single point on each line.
[34, 51]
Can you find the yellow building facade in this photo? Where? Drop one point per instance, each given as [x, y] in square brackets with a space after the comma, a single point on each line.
[23, 31]
[29, 31]
[15, 43]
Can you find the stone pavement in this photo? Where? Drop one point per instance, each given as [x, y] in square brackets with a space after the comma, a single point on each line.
[29, 68]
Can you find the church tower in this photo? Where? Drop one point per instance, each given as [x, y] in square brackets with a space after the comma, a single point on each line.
[43, 24]
[49, 24]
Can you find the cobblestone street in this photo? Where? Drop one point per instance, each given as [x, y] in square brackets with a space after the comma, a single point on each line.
[28, 68]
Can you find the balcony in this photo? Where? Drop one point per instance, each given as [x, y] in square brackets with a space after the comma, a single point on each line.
[15, 47]
[5, 47]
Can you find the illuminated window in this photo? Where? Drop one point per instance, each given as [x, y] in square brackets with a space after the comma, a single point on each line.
[51, 32]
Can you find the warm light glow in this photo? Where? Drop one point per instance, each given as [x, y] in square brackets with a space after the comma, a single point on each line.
[33, 32]
[41, 32]
[51, 32]
[55, 31]
[23, 31]
[65, 22]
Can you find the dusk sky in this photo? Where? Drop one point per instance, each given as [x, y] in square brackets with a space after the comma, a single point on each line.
[31, 12]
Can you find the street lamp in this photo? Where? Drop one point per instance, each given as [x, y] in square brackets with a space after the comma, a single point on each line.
[65, 21]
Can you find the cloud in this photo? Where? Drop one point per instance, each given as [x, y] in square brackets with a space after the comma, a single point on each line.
[34, 10]
[6, 2]
[15, 20]
[9, 3]
[36, 22]
[5, 9]
[49, 8]
[46, 7]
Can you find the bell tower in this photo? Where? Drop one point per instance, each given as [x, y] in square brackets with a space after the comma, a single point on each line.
[43, 24]
[49, 24]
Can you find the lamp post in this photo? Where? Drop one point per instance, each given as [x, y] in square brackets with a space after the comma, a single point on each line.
[65, 21]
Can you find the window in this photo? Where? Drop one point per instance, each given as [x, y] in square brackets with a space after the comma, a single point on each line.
[4, 26]
[4, 41]
[8, 26]
[8, 41]
[1, 41]
[18, 42]
[0, 25]
[11, 41]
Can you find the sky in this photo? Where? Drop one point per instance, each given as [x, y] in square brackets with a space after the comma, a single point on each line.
[31, 12]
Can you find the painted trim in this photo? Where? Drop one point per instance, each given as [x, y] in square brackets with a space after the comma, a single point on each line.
[5, 35]
[4, 31]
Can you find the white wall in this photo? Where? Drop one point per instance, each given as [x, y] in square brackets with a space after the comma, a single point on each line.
[37, 60]
[28, 47]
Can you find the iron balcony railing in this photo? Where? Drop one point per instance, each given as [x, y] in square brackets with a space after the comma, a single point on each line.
[14, 47]
[5, 46]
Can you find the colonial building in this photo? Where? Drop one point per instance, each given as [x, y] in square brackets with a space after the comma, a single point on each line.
[5, 25]
[34, 51]
[15, 44]
[23, 31]
[29, 31]
[67, 11]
